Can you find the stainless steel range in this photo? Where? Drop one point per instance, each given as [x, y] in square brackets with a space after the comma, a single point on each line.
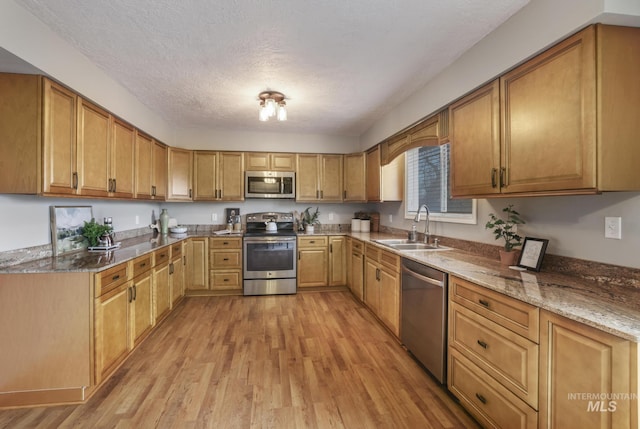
[269, 246]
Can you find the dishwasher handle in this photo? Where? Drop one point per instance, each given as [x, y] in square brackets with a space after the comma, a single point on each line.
[420, 277]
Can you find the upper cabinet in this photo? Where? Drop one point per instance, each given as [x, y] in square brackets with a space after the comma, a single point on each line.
[384, 183]
[218, 176]
[319, 178]
[93, 150]
[561, 123]
[123, 150]
[180, 174]
[151, 168]
[262, 161]
[355, 181]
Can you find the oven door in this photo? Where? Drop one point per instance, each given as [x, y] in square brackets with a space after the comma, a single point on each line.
[269, 257]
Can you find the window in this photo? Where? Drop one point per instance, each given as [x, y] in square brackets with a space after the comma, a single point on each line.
[427, 182]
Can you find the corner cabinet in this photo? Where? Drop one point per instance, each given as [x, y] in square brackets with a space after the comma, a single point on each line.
[384, 183]
[505, 138]
[588, 378]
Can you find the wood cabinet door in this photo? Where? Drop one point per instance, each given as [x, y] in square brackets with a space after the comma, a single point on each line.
[144, 167]
[231, 176]
[205, 171]
[312, 267]
[337, 261]
[60, 175]
[197, 264]
[372, 285]
[331, 187]
[390, 300]
[307, 178]
[93, 150]
[257, 161]
[475, 142]
[357, 275]
[161, 291]
[159, 171]
[576, 361]
[355, 182]
[373, 174]
[549, 119]
[180, 165]
[111, 329]
[142, 317]
[123, 149]
[177, 281]
[283, 162]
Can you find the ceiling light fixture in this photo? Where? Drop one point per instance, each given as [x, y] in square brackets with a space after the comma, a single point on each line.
[272, 104]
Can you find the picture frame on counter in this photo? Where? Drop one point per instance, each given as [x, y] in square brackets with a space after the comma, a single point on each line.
[533, 250]
[67, 223]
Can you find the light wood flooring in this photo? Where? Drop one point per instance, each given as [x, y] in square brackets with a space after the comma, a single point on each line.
[311, 360]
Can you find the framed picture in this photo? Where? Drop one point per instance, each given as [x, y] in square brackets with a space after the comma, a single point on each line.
[532, 253]
[66, 228]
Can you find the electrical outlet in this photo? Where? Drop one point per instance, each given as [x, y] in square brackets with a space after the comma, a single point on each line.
[613, 227]
[214, 217]
[390, 218]
[137, 220]
[330, 216]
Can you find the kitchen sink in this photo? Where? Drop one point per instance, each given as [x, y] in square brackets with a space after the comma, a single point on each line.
[400, 244]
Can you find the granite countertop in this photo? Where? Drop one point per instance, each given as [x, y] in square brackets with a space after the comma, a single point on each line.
[611, 308]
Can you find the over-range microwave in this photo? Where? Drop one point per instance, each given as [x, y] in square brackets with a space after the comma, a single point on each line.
[269, 184]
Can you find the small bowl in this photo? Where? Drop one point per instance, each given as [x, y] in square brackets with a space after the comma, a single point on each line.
[178, 229]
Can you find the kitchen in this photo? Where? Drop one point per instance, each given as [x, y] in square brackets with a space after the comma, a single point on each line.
[575, 222]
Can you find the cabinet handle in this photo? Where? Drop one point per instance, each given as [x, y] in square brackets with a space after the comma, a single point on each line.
[129, 294]
[377, 273]
[494, 177]
[184, 260]
[225, 280]
[330, 247]
[503, 173]
[135, 292]
[225, 243]
[153, 190]
[484, 303]
[74, 180]
[481, 398]
[171, 268]
[298, 255]
[321, 195]
[482, 344]
[317, 194]
[144, 264]
[114, 185]
[116, 277]
[110, 185]
[190, 193]
[225, 259]
[312, 241]
[344, 194]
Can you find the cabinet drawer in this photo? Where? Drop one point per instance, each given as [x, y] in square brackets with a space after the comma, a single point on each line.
[225, 243]
[357, 246]
[225, 279]
[372, 252]
[390, 260]
[315, 241]
[506, 356]
[141, 265]
[487, 400]
[225, 259]
[111, 278]
[511, 313]
[161, 256]
[176, 250]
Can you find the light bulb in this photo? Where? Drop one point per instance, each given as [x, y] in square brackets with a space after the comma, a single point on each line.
[270, 105]
[264, 114]
[282, 112]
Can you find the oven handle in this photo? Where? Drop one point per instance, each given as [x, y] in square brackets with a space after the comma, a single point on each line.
[268, 239]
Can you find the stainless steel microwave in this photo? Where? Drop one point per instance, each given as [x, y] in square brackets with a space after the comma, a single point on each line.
[269, 184]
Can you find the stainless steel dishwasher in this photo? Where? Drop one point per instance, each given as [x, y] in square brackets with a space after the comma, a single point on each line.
[424, 316]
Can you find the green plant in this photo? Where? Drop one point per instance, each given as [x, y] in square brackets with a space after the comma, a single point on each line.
[309, 218]
[506, 229]
[93, 231]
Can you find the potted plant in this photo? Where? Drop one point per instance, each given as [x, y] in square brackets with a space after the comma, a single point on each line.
[94, 232]
[310, 220]
[507, 230]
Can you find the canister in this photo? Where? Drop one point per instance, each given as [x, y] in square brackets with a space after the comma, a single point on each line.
[355, 225]
[365, 225]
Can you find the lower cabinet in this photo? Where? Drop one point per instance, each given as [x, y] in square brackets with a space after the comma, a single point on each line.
[337, 260]
[313, 260]
[112, 324]
[356, 266]
[176, 273]
[161, 290]
[197, 264]
[142, 298]
[588, 378]
[225, 264]
[493, 355]
[382, 286]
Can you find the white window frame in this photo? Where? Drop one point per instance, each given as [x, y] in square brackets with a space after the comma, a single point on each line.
[470, 218]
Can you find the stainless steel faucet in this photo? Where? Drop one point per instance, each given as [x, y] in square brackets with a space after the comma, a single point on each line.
[426, 225]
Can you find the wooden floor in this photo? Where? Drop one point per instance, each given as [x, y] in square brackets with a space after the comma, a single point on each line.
[311, 360]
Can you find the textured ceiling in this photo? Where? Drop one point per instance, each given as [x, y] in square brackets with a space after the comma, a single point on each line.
[342, 64]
